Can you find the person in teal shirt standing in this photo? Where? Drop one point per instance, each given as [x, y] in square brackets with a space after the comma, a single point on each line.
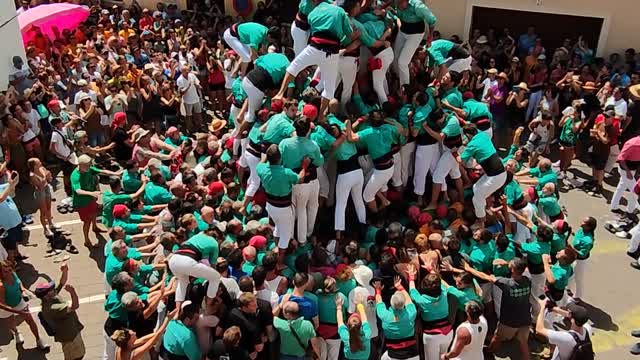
[180, 339]
[328, 299]
[583, 244]
[196, 258]
[434, 305]
[480, 148]
[398, 322]
[278, 182]
[248, 40]
[416, 19]
[356, 333]
[305, 194]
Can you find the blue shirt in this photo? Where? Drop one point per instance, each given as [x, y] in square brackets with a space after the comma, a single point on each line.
[9, 214]
[308, 308]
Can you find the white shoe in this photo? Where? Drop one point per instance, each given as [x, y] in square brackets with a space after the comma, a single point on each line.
[66, 201]
[19, 337]
[41, 344]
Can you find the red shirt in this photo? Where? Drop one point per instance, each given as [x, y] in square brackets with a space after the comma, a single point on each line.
[146, 22]
[613, 132]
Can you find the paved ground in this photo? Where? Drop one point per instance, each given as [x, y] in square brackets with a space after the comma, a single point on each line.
[611, 284]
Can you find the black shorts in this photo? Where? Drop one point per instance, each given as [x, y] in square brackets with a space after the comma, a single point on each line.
[13, 237]
[599, 159]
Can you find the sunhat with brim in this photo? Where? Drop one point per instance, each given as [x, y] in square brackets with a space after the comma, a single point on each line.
[217, 125]
[523, 86]
[635, 91]
[589, 85]
[139, 134]
[363, 275]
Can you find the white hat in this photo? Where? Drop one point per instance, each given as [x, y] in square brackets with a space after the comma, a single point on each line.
[363, 275]
[482, 40]
[82, 82]
[84, 159]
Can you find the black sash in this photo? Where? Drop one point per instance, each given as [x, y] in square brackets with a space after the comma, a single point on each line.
[492, 166]
[234, 30]
[349, 165]
[425, 139]
[453, 142]
[401, 348]
[412, 27]
[279, 201]
[384, 162]
[189, 251]
[325, 41]
[482, 122]
[301, 21]
[519, 203]
[261, 79]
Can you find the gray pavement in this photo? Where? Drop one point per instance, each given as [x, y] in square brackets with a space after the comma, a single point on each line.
[611, 283]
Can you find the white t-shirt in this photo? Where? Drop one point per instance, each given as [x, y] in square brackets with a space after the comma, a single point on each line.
[191, 95]
[565, 343]
[59, 144]
[34, 119]
[268, 295]
[488, 84]
[620, 106]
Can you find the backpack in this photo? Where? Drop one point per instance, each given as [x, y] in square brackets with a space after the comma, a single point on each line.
[583, 349]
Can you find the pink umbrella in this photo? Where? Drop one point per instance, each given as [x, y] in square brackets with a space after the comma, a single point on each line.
[46, 17]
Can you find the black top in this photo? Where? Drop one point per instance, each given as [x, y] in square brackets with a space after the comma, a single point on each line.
[122, 151]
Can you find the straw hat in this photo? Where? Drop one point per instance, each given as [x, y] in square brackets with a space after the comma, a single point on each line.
[217, 125]
[139, 134]
[523, 86]
[492, 71]
[635, 91]
[589, 85]
[503, 75]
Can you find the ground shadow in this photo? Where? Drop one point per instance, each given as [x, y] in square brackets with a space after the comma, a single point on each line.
[29, 275]
[31, 353]
[97, 252]
[600, 318]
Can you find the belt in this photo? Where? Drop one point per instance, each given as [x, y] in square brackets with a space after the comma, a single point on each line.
[189, 251]
[279, 201]
[301, 21]
[384, 162]
[453, 142]
[425, 139]
[234, 30]
[435, 327]
[482, 122]
[400, 344]
[325, 41]
[348, 165]
[492, 165]
[412, 27]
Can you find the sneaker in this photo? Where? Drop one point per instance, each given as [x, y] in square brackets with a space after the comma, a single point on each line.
[27, 219]
[635, 265]
[635, 349]
[623, 235]
[42, 345]
[19, 337]
[66, 201]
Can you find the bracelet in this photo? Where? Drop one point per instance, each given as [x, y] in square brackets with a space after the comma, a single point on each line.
[360, 307]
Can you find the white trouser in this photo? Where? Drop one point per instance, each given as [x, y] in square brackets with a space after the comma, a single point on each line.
[460, 65]
[327, 63]
[300, 38]
[243, 150]
[380, 75]
[404, 47]
[109, 347]
[407, 157]
[483, 188]
[330, 349]
[323, 179]
[347, 72]
[396, 179]
[447, 165]
[426, 159]
[377, 182]
[625, 184]
[244, 51]
[386, 356]
[182, 267]
[305, 203]
[327, 178]
[489, 132]
[497, 299]
[233, 115]
[253, 183]
[255, 97]
[635, 239]
[577, 280]
[436, 345]
[349, 183]
[283, 218]
[537, 289]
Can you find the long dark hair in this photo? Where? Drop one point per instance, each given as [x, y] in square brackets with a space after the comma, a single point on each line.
[355, 339]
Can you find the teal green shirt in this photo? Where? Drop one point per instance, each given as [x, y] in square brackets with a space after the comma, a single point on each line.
[544, 177]
[567, 135]
[512, 153]
[345, 287]
[279, 127]
[365, 335]
[375, 28]
[507, 255]
[439, 51]
[366, 38]
[181, 340]
[535, 250]
[164, 170]
[420, 115]
[304, 329]
[114, 308]
[550, 205]
[346, 150]
[562, 274]
[156, 194]
[397, 324]
[131, 181]
[376, 140]
[479, 147]
[433, 308]
[322, 138]
[464, 296]
[253, 34]
[482, 256]
[453, 97]
[558, 243]
[306, 6]
[403, 115]
[277, 180]
[513, 192]
[333, 19]
[109, 200]
[130, 226]
[295, 149]
[416, 11]
[451, 127]
[207, 245]
[255, 135]
[113, 265]
[275, 64]
[327, 308]
[583, 243]
[476, 109]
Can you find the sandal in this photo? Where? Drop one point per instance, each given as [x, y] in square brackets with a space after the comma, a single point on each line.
[71, 249]
[62, 209]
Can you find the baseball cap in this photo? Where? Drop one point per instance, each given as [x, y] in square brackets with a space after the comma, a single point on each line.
[578, 313]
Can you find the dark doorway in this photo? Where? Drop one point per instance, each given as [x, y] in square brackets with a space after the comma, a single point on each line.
[552, 28]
